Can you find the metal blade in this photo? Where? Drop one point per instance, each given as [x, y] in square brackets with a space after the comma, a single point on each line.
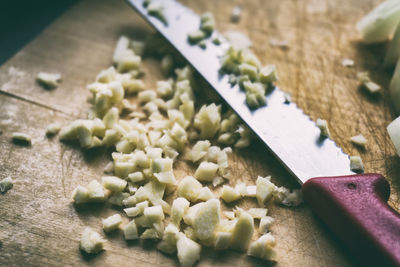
[290, 135]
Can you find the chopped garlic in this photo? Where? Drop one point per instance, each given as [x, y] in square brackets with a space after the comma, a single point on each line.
[131, 231]
[157, 10]
[323, 127]
[265, 224]
[366, 82]
[114, 183]
[263, 248]
[179, 207]
[118, 198]
[268, 74]
[120, 48]
[264, 191]
[6, 184]
[154, 214]
[196, 36]
[132, 86]
[188, 251]
[292, 199]
[80, 195]
[199, 150]
[21, 138]
[235, 15]
[95, 192]
[91, 241]
[147, 96]
[136, 177]
[255, 94]
[112, 223]
[49, 80]
[206, 171]
[207, 23]
[170, 237]
[137, 210]
[217, 40]
[288, 98]
[380, 23]
[249, 70]
[189, 188]
[164, 89]
[150, 234]
[279, 43]
[229, 194]
[356, 164]
[242, 232]
[207, 120]
[206, 221]
[202, 44]
[347, 62]
[205, 194]
[359, 140]
[53, 129]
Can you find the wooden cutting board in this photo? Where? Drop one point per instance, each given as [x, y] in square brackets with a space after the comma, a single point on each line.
[38, 224]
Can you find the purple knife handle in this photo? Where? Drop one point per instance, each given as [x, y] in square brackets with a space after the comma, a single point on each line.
[355, 209]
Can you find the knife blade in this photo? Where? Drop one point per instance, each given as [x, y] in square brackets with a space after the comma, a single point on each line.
[290, 135]
[354, 206]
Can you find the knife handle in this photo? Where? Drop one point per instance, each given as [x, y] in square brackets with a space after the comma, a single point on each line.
[355, 209]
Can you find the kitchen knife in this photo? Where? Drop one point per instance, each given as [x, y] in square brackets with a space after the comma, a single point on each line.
[352, 205]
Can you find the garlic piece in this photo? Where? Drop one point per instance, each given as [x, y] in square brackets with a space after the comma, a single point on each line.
[263, 248]
[179, 208]
[114, 183]
[21, 138]
[242, 232]
[189, 188]
[112, 223]
[235, 15]
[323, 127]
[356, 164]
[53, 129]
[131, 231]
[188, 251]
[206, 171]
[49, 80]
[264, 190]
[91, 241]
[6, 184]
[154, 214]
[206, 221]
[229, 194]
[359, 140]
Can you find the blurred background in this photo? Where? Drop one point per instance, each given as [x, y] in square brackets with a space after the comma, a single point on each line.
[22, 20]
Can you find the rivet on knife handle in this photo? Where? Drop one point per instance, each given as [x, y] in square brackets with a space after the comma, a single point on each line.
[355, 209]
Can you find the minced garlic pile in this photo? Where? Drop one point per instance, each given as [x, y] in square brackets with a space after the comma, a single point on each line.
[165, 128]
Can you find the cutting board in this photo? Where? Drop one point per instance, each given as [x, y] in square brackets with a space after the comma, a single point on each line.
[39, 226]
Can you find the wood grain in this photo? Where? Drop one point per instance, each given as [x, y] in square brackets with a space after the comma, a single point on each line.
[38, 224]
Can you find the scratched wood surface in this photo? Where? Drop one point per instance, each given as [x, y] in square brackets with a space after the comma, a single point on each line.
[38, 224]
